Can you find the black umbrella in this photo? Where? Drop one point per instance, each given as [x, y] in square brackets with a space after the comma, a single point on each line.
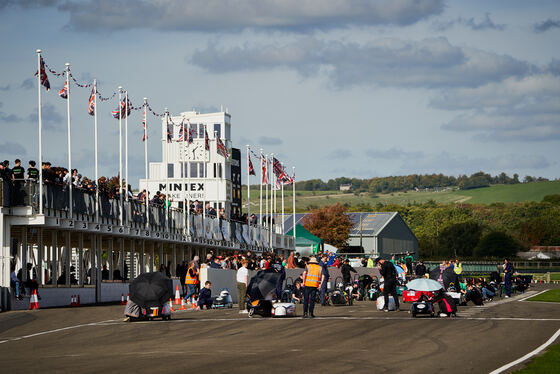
[151, 289]
[445, 276]
[449, 276]
[263, 283]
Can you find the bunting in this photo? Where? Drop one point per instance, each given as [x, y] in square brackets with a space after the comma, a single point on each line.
[206, 140]
[83, 85]
[64, 91]
[91, 102]
[44, 78]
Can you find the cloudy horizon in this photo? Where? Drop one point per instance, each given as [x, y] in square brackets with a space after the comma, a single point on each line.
[350, 88]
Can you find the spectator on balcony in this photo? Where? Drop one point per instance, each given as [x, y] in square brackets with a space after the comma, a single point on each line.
[215, 263]
[32, 172]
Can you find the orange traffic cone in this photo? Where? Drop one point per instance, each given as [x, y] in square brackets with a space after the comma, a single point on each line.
[177, 300]
[78, 303]
[73, 300]
[183, 306]
[171, 305]
[128, 297]
[33, 301]
[122, 299]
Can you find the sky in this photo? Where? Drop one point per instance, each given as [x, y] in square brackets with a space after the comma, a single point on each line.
[351, 88]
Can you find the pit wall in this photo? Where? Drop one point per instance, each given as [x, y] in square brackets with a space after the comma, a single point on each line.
[61, 296]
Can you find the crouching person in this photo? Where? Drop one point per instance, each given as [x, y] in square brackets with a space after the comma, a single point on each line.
[205, 296]
[132, 311]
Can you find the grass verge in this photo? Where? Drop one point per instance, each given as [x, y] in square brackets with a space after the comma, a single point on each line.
[547, 363]
[549, 296]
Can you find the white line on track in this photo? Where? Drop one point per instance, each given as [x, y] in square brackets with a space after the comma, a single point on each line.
[528, 355]
[530, 296]
[55, 330]
[115, 322]
[194, 320]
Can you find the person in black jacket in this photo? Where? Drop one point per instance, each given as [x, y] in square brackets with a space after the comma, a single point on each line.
[389, 273]
[346, 269]
[420, 269]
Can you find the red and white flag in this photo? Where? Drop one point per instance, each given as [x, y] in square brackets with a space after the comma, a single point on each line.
[222, 150]
[64, 91]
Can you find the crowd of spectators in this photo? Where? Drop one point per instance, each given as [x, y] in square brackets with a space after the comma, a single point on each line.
[15, 178]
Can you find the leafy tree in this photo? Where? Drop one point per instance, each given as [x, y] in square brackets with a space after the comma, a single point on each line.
[497, 244]
[331, 224]
[460, 239]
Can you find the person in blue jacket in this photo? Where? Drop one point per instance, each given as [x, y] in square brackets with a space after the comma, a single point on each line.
[323, 263]
[508, 273]
[205, 296]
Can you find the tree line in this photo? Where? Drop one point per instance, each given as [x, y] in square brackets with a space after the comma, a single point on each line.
[468, 231]
[413, 181]
[479, 231]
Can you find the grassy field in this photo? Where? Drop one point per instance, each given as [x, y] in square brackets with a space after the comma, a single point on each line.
[547, 363]
[306, 200]
[549, 296]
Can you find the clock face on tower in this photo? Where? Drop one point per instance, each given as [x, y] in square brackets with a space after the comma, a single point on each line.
[195, 152]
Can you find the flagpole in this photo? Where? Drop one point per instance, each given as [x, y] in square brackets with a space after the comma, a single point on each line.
[248, 185]
[260, 195]
[95, 151]
[166, 167]
[294, 202]
[270, 169]
[266, 193]
[205, 171]
[186, 171]
[120, 159]
[217, 175]
[185, 181]
[40, 129]
[69, 140]
[147, 197]
[126, 146]
[282, 187]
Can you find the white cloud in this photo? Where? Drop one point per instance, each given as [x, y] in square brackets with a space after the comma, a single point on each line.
[430, 63]
[526, 109]
[485, 24]
[233, 15]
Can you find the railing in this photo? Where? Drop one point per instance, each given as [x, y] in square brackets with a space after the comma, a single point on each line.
[137, 214]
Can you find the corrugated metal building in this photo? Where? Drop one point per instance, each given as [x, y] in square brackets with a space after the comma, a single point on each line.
[379, 234]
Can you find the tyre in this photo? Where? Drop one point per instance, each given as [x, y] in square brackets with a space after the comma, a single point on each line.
[413, 315]
[251, 312]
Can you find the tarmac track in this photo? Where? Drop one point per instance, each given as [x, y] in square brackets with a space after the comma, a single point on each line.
[342, 339]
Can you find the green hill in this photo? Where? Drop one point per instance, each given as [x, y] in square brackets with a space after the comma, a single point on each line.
[510, 193]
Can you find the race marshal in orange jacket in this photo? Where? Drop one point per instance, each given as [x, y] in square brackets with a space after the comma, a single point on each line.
[313, 277]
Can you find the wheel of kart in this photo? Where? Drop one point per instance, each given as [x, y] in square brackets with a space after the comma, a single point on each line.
[413, 315]
[251, 312]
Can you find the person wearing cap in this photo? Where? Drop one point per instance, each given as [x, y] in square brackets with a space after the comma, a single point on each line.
[313, 278]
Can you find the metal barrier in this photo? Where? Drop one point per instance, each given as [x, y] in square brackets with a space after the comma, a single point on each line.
[136, 214]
